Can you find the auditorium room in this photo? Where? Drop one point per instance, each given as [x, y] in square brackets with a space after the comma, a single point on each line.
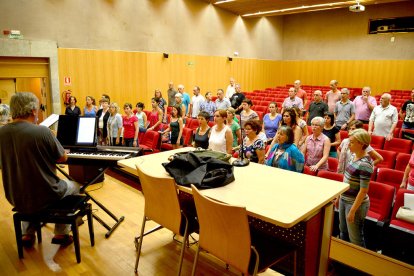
[207, 137]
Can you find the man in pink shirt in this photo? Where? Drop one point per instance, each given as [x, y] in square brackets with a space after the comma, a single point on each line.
[364, 104]
[300, 92]
[333, 96]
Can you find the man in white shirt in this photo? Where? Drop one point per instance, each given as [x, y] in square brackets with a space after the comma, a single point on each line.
[384, 118]
[231, 89]
[195, 103]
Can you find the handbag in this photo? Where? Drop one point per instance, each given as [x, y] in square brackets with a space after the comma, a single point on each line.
[204, 172]
[406, 214]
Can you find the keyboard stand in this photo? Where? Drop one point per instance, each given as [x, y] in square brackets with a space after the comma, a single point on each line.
[83, 190]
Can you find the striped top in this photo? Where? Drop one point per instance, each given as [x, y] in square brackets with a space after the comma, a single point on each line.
[357, 175]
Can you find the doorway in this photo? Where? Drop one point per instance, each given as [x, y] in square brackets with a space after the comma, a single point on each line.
[18, 74]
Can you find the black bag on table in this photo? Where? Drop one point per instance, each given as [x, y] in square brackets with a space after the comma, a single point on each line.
[201, 171]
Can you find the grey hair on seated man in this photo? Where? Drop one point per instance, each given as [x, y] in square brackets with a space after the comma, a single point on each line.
[23, 104]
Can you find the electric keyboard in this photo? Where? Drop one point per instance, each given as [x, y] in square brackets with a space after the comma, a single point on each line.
[103, 153]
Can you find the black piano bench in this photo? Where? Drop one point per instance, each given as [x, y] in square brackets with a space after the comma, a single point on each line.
[70, 210]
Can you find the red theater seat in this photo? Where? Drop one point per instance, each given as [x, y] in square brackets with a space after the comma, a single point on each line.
[402, 161]
[399, 239]
[381, 197]
[150, 142]
[331, 175]
[306, 170]
[377, 142]
[332, 164]
[389, 159]
[390, 177]
[398, 145]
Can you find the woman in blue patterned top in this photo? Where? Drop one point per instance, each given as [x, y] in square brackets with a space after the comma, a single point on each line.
[354, 203]
[253, 147]
[284, 154]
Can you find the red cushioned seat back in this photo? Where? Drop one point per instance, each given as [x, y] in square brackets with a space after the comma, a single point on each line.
[381, 197]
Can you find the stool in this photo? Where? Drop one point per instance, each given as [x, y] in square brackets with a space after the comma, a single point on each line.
[69, 210]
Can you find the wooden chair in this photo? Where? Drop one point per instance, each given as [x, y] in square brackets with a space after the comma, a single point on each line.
[225, 233]
[163, 207]
[70, 210]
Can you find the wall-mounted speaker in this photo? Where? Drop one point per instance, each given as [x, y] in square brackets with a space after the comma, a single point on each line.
[165, 55]
[229, 58]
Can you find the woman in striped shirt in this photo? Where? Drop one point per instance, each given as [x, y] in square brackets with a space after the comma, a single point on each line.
[354, 203]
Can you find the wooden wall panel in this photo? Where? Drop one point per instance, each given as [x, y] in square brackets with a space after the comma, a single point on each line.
[133, 76]
[381, 75]
[122, 75]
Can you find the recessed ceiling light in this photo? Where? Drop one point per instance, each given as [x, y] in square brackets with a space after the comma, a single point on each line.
[316, 6]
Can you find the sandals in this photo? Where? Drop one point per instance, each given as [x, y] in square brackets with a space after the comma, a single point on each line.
[28, 240]
[63, 240]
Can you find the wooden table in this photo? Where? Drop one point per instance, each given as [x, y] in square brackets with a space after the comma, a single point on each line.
[298, 203]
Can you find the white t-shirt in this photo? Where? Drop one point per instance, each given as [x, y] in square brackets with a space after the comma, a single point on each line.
[383, 119]
[217, 140]
[196, 102]
[230, 91]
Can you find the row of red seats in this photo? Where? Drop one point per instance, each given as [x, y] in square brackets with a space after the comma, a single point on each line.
[395, 237]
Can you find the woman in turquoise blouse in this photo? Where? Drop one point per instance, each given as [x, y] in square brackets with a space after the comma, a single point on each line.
[284, 154]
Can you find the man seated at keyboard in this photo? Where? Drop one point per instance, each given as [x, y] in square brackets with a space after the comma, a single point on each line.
[28, 157]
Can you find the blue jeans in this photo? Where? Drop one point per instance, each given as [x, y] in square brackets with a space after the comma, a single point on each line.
[353, 232]
[60, 229]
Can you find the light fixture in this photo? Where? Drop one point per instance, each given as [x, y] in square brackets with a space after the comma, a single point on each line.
[303, 7]
[222, 2]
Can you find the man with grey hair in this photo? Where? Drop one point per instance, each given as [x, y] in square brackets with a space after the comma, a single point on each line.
[317, 107]
[4, 114]
[292, 101]
[364, 104]
[384, 118]
[221, 101]
[237, 99]
[28, 157]
[317, 146]
[344, 110]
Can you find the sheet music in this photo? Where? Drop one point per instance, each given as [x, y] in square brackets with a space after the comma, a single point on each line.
[409, 201]
[53, 118]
